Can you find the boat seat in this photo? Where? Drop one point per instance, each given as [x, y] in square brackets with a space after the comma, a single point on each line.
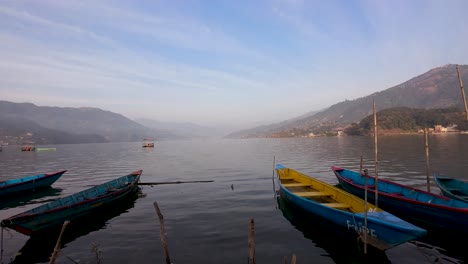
[296, 184]
[312, 194]
[337, 205]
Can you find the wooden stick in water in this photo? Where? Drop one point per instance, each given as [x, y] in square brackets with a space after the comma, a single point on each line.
[427, 161]
[365, 211]
[293, 259]
[376, 160]
[360, 166]
[251, 242]
[57, 245]
[176, 182]
[463, 93]
[162, 232]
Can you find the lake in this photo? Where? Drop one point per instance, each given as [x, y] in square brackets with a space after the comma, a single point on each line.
[208, 222]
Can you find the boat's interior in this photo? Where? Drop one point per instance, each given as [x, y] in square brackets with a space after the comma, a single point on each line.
[320, 192]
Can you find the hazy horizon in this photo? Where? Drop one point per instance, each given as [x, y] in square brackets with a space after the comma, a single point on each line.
[235, 64]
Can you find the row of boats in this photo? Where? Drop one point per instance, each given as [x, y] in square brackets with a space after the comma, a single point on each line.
[55, 213]
[403, 213]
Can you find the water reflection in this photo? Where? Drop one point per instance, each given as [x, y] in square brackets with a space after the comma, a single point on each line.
[39, 247]
[37, 196]
[341, 247]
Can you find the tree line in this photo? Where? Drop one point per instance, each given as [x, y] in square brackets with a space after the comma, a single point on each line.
[410, 120]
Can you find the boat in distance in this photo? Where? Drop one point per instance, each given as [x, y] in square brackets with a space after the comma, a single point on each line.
[80, 204]
[383, 229]
[29, 183]
[452, 188]
[420, 207]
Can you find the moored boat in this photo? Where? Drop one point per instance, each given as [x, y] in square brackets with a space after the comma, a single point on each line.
[148, 143]
[415, 205]
[452, 188]
[29, 183]
[73, 206]
[383, 230]
[28, 148]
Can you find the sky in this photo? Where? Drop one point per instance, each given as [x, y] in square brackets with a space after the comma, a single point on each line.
[220, 63]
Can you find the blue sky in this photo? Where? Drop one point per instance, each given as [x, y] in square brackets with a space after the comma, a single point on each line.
[218, 63]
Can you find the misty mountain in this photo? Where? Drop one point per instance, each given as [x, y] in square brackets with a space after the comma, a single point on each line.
[19, 131]
[183, 130]
[437, 88]
[111, 126]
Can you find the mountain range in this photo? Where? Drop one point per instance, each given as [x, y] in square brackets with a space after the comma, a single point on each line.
[436, 88]
[55, 125]
[19, 122]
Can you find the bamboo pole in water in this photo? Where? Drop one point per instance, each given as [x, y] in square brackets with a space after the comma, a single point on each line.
[162, 233]
[360, 166]
[57, 245]
[427, 161]
[251, 242]
[365, 211]
[174, 182]
[376, 159]
[463, 93]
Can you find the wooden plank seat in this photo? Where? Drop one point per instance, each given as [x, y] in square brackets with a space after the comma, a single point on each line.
[312, 194]
[337, 205]
[298, 184]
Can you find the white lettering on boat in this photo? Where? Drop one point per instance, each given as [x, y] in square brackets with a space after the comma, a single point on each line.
[360, 228]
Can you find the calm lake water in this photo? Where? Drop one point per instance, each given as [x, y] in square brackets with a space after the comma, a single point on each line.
[208, 222]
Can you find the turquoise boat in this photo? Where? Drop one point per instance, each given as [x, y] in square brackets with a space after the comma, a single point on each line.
[382, 231]
[74, 206]
[29, 183]
[452, 188]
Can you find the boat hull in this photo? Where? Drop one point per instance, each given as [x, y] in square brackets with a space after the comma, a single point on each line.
[417, 206]
[28, 184]
[74, 206]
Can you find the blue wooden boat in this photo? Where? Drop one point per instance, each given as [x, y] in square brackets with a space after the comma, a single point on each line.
[452, 188]
[415, 205]
[73, 206]
[29, 183]
[384, 230]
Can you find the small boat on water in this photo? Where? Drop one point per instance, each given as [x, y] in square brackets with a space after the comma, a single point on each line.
[148, 143]
[383, 229]
[418, 206]
[46, 149]
[29, 183]
[74, 206]
[28, 148]
[452, 188]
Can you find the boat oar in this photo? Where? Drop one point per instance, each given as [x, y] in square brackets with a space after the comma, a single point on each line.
[175, 182]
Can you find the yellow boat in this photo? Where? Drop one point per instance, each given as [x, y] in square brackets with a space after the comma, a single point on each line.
[376, 227]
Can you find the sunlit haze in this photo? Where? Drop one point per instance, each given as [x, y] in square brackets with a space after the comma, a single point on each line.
[219, 63]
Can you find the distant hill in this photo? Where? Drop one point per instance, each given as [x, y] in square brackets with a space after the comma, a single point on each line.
[84, 121]
[437, 88]
[183, 130]
[19, 131]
